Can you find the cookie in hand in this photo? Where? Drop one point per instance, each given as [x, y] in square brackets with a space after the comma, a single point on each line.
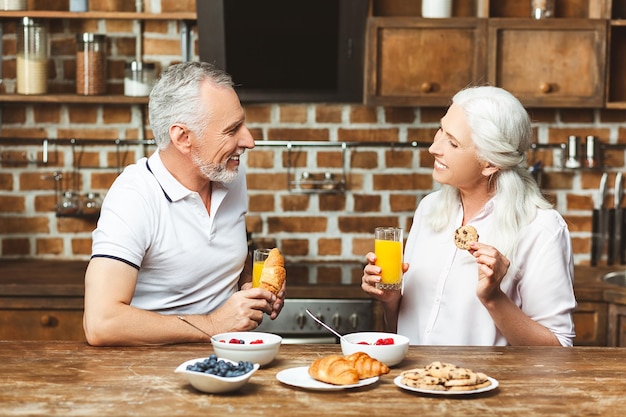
[464, 235]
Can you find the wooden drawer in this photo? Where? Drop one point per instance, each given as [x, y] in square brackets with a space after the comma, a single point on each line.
[591, 321]
[41, 324]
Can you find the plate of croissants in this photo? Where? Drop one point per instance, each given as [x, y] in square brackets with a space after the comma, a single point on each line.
[335, 372]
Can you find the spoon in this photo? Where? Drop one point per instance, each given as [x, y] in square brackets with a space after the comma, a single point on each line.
[333, 331]
[195, 327]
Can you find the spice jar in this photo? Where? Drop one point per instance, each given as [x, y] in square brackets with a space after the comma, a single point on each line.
[91, 64]
[91, 203]
[69, 203]
[541, 9]
[139, 78]
[32, 57]
[13, 4]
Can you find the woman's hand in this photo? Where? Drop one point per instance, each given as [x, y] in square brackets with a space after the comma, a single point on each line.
[371, 276]
[492, 267]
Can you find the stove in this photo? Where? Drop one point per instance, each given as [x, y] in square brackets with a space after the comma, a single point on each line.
[296, 326]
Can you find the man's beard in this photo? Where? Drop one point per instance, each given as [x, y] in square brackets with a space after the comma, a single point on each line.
[214, 172]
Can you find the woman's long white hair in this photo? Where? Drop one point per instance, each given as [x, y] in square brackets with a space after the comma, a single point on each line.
[502, 133]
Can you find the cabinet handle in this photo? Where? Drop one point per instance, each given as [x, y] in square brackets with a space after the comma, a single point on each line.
[545, 88]
[426, 87]
[48, 321]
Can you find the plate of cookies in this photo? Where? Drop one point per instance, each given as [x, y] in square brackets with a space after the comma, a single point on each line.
[440, 378]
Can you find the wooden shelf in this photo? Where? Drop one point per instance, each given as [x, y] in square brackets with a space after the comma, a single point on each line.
[49, 14]
[72, 98]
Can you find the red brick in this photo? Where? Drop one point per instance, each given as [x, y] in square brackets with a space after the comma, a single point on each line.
[421, 134]
[295, 202]
[295, 135]
[397, 158]
[44, 113]
[258, 113]
[49, 246]
[368, 135]
[81, 246]
[6, 181]
[328, 247]
[365, 224]
[12, 204]
[402, 182]
[399, 114]
[178, 6]
[366, 203]
[260, 158]
[581, 245]
[266, 181]
[328, 113]
[402, 202]
[45, 203]
[294, 247]
[431, 114]
[102, 180]
[579, 202]
[75, 225]
[23, 225]
[361, 246]
[254, 224]
[363, 114]
[330, 159]
[308, 224]
[578, 223]
[293, 113]
[541, 115]
[113, 115]
[261, 203]
[363, 159]
[18, 246]
[332, 202]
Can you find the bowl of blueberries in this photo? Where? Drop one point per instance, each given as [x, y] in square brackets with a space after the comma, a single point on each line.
[255, 347]
[216, 375]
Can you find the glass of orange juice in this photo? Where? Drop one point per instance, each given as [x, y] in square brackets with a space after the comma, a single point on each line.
[258, 260]
[388, 249]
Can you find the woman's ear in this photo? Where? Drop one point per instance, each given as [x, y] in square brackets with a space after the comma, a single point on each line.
[489, 170]
[179, 136]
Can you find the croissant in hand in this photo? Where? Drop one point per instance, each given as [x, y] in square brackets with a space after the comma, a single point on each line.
[367, 366]
[273, 274]
[334, 369]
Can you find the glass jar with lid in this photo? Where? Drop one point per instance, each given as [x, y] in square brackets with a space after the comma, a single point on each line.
[139, 78]
[91, 64]
[32, 57]
[69, 203]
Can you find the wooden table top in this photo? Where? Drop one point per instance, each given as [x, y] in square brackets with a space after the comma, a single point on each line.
[73, 379]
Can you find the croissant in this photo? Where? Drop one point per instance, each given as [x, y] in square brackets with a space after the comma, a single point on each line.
[273, 274]
[334, 369]
[367, 366]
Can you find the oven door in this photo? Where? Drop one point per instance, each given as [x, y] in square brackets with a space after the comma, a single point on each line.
[296, 327]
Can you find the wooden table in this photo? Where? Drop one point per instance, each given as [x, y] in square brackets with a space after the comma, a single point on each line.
[73, 379]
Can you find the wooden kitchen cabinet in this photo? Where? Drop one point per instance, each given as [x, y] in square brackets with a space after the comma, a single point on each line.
[557, 62]
[422, 62]
[41, 300]
[617, 325]
[590, 321]
[549, 63]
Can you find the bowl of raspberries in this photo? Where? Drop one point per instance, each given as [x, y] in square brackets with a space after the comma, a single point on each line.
[389, 348]
[255, 347]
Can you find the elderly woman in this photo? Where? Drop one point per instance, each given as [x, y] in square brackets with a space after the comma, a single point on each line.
[515, 284]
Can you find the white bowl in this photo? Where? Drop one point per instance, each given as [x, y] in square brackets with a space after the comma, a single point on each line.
[388, 354]
[212, 383]
[261, 353]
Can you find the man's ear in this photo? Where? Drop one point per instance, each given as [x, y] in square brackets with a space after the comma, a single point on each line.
[179, 136]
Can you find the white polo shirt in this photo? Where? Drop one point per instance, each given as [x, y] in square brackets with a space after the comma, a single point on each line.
[439, 304]
[188, 262]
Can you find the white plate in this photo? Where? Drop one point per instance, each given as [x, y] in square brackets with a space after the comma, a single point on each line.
[299, 377]
[494, 384]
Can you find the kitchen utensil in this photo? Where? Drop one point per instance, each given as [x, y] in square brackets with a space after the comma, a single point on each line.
[613, 224]
[598, 221]
[333, 331]
[620, 242]
[194, 326]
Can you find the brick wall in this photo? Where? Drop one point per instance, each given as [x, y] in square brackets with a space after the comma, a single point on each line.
[383, 183]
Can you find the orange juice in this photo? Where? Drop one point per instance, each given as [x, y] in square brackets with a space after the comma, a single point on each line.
[257, 267]
[389, 259]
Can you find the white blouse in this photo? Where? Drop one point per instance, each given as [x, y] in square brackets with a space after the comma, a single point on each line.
[439, 304]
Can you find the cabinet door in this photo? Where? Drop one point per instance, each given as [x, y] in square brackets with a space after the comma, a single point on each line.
[549, 63]
[422, 62]
[617, 325]
[590, 321]
[41, 324]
